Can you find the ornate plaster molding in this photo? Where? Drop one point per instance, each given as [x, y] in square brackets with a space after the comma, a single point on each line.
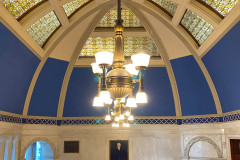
[202, 138]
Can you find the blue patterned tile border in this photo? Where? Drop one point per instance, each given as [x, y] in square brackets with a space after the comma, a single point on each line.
[154, 121]
[84, 121]
[202, 120]
[6, 118]
[39, 121]
[12, 119]
[232, 117]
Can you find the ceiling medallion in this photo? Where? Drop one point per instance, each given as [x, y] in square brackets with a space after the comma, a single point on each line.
[119, 82]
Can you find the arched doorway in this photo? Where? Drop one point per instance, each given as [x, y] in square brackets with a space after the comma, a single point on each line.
[39, 150]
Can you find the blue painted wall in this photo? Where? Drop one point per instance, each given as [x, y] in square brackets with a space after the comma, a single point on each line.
[159, 92]
[45, 97]
[82, 89]
[17, 67]
[195, 95]
[223, 64]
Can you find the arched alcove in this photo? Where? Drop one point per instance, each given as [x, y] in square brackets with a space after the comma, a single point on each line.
[47, 144]
[204, 139]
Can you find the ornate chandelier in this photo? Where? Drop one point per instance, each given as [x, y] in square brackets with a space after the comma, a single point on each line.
[119, 83]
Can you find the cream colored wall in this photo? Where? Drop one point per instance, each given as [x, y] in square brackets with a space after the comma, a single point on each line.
[146, 142]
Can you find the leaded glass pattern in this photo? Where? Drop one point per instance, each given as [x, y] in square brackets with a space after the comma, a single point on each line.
[128, 17]
[72, 6]
[18, 7]
[169, 6]
[197, 26]
[43, 28]
[222, 6]
[132, 45]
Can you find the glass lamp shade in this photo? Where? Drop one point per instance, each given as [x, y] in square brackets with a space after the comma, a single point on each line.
[124, 124]
[141, 97]
[96, 69]
[109, 101]
[105, 96]
[104, 57]
[127, 113]
[115, 125]
[127, 125]
[131, 69]
[140, 59]
[130, 118]
[108, 117]
[115, 102]
[116, 119]
[121, 116]
[97, 102]
[131, 102]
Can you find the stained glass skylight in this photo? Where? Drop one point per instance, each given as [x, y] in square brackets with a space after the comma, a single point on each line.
[221, 6]
[43, 28]
[132, 45]
[72, 6]
[18, 7]
[129, 19]
[166, 5]
[197, 26]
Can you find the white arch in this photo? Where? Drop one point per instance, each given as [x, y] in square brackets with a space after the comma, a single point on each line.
[53, 146]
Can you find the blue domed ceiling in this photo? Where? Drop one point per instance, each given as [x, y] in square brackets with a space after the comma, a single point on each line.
[19, 65]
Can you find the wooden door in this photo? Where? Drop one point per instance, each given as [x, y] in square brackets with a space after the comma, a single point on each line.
[235, 149]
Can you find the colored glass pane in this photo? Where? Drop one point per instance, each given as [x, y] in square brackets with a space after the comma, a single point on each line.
[132, 45]
[43, 28]
[18, 7]
[197, 26]
[129, 19]
[72, 6]
[222, 6]
[167, 5]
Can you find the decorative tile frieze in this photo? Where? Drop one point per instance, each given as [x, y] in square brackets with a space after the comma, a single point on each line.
[202, 120]
[6, 118]
[12, 119]
[232, 117]
[40, 121]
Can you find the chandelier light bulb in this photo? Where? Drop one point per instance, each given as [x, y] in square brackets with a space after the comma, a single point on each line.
[117, 125]
[131, 69]
[97, 102]
[127, 113]
[130, 118]
[140, 59]
[96, 69]
[112, 113]
[115, 102]
[141, 97]
[123, 100]
[114, 125]
[104, 58]
[127, 125]
[116, 119]
[108, 117]
[131, 102]
[121, 116]
[124, 124]
[105, 96]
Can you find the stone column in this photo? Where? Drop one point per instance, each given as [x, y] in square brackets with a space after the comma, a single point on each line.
[16, 146]
[3, 140]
